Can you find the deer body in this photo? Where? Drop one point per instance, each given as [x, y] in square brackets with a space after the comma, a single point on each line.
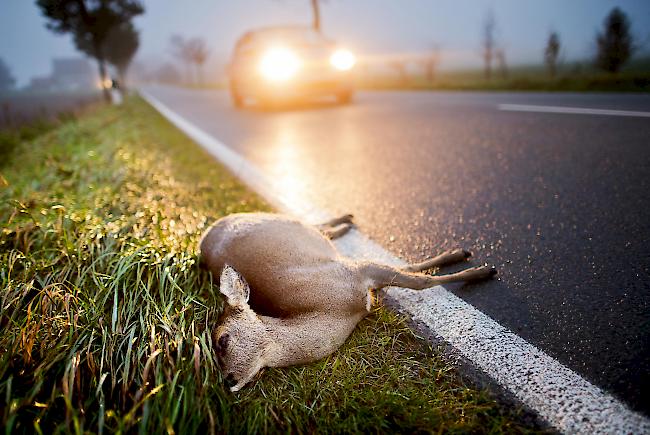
[291, 298]
[290, 267]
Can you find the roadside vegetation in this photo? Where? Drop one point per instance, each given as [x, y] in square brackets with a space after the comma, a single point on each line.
[570, 78]
[613, 68]
[105, 317]
[11, 137]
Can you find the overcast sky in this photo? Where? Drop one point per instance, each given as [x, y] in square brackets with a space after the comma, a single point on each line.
[365, 26]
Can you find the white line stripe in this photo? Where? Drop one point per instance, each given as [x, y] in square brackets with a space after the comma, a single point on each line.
[571, 110]
[560, 396]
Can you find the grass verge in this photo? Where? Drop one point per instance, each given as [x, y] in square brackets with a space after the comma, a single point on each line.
[105, 318]
[624, 82]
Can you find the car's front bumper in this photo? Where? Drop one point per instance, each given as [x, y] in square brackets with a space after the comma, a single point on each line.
[305, 85]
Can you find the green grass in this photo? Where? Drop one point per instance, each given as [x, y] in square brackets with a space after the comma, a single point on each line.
[517, 81]
[11, 137]
[575, 76]
[105, 318]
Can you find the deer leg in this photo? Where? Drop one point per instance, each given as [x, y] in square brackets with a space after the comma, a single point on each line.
[345, 219]
[447, 257]
[384, 276]
[467, 275]
[336, 232]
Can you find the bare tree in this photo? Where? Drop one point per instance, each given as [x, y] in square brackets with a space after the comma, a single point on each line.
[502, 64]
[430, 63]
[198, 53]
[316, 17]
[166, 73]
[7, 80]
[315, 7]
[489, 28]
[399, 65]
[178, 49]
[192, 53]
[551, 53]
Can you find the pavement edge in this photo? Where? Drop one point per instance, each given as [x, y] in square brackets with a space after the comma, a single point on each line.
[559, 396]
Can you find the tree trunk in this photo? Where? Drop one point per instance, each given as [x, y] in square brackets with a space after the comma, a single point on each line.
[99, 54]
[102, 78]
[488, 64]
[121, 72]
[316, 8]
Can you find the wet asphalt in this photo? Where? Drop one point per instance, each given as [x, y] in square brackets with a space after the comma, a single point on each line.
[559, 203]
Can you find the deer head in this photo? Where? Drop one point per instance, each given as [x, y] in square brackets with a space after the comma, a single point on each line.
[241, 338]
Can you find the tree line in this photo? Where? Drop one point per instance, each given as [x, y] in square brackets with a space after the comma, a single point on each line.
[614, 45]
[102, 29]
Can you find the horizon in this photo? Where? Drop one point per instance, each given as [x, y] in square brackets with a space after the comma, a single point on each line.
[410, 27]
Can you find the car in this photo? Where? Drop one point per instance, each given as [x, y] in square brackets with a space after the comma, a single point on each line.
[284, 63]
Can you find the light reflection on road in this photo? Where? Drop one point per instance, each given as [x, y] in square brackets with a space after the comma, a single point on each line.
[303, 173]
[283, 164]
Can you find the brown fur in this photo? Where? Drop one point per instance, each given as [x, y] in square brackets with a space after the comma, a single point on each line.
[292, 298]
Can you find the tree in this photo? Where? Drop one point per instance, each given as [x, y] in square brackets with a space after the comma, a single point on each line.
[198, 53]
[500, 56]
[399, 65]
[315, 7]
[167, 73]
[178, 49]
[615, 44]
[489, 27]
[551, 53]
[120, 46]
[89, 22]
[191, 52]
[430, 63]
[7, 81]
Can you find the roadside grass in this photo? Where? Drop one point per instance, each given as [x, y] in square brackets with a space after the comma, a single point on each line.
[516, 81]
[105, 317]
[12, 136]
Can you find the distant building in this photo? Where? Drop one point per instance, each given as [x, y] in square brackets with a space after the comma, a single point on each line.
[40, 84]
[68, 74]
[73, 73]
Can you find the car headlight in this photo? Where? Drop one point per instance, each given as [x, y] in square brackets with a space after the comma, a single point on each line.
[342, 60]
[279, 64]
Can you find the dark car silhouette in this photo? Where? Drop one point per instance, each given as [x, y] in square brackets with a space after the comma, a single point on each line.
[287, 63]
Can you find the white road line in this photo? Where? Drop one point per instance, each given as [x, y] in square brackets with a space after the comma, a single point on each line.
[560, 396]
[571, 110]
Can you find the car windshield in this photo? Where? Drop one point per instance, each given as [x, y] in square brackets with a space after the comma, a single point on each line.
[298, 36]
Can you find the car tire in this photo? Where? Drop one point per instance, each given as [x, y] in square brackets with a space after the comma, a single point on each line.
[344, 97]
[236, 97]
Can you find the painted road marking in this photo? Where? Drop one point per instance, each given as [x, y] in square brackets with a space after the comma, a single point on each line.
[559, 395]
[571, 110]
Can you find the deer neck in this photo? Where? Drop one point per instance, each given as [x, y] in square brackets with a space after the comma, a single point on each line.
[305, 338]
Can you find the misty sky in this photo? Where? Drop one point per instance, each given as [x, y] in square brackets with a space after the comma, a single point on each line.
[365, 26]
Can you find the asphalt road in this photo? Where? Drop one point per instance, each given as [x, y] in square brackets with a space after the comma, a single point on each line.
[559, 203]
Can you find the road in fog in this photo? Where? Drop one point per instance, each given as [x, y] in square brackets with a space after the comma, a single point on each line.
[558, 199]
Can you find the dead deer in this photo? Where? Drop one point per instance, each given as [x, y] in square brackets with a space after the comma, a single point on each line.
[290, 297]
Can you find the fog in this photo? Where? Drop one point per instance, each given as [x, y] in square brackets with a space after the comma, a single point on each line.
[368, 27]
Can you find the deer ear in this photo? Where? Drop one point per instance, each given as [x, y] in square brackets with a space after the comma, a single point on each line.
[234, 287]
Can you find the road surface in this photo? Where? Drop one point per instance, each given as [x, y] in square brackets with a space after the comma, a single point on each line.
[557, 199]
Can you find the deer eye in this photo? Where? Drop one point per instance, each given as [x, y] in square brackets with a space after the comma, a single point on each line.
[222, 343]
